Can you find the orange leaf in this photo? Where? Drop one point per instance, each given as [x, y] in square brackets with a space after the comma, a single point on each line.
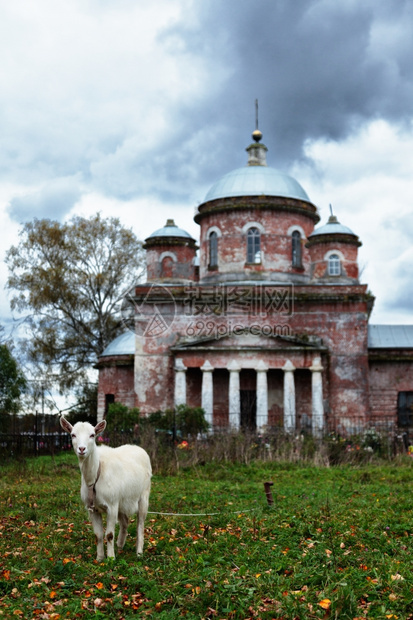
[325, 603]
[99, 585]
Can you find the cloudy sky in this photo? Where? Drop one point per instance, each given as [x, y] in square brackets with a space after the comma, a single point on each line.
[134, 108]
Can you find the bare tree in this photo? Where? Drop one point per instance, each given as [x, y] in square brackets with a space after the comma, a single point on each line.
[68, 282]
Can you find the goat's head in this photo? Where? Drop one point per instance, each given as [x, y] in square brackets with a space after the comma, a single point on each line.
[83, 435]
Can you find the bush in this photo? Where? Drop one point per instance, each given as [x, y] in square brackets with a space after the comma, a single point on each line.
[183, 422]
[190, 421]
[121, 419]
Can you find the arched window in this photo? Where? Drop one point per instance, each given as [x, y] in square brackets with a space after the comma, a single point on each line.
[213, 250]
[296, 249]
[253, 246]
[167, 267]
[334, 265]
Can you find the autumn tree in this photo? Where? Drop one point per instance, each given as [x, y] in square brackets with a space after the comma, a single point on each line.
[12, 386]
[68, 281]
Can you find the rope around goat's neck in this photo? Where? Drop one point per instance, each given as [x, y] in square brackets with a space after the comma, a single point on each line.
[92, 492]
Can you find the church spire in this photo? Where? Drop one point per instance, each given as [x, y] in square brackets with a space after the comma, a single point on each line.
[256, 152]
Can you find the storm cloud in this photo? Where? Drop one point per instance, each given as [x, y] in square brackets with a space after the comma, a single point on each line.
[134, 109]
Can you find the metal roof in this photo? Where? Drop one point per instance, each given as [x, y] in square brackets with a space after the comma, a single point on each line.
[379, 337]
[332, 227]
[256, 181]
[390, 336]
[122, 345]
[170, 230]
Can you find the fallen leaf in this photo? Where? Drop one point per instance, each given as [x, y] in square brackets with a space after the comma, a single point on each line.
[325, 603]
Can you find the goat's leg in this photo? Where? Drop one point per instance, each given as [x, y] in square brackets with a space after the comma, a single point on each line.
[140, 526]
[110, 530]
[97, 524]
[123, 529]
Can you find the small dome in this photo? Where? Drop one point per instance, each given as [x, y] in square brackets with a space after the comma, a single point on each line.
[256, 181]
[333, 227]
[122, 345]
[170, 230]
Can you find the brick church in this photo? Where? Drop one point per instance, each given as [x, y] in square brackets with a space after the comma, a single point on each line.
[263, 322]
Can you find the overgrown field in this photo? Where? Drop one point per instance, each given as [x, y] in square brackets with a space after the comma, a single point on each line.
[337, 543]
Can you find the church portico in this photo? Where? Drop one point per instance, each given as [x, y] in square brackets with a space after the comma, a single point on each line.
[253, 394]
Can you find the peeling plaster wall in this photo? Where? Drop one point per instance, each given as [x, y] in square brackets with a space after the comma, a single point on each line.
[276, 243]
[117, 380]
[319, 266]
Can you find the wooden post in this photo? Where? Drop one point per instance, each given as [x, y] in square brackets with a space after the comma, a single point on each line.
[267, 489]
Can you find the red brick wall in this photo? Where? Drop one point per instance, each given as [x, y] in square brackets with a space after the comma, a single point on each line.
[319, 265]
[276, 243]
[387, 379]
[168, 268]
[119, 381]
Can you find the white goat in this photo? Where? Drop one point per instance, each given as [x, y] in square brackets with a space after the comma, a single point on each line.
[114, 480]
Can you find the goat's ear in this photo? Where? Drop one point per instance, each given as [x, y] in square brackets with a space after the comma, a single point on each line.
[65, 424]
[99, 428]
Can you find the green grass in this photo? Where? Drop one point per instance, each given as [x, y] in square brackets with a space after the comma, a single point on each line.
[337, 543]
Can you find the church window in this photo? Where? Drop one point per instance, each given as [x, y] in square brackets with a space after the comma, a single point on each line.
[296, 249]
[253, 246]
[167, 267]
[334, 265]
[109, 400]
[213, 250]
[405, 409]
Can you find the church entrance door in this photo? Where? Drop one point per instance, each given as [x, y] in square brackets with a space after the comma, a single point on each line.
[248, 410]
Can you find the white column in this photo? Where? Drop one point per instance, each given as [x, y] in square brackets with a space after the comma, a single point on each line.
[289, 397]
[207, 397]
[234, 399]
[262, 395]
[317, 397]
[180, 383]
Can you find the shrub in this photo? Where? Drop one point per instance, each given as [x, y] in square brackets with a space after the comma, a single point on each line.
[121, 419]
[183, 422]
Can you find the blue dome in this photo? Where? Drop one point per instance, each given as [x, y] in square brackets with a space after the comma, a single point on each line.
[256, 181]
[122, 345]
[333, 227]
[170, 230]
